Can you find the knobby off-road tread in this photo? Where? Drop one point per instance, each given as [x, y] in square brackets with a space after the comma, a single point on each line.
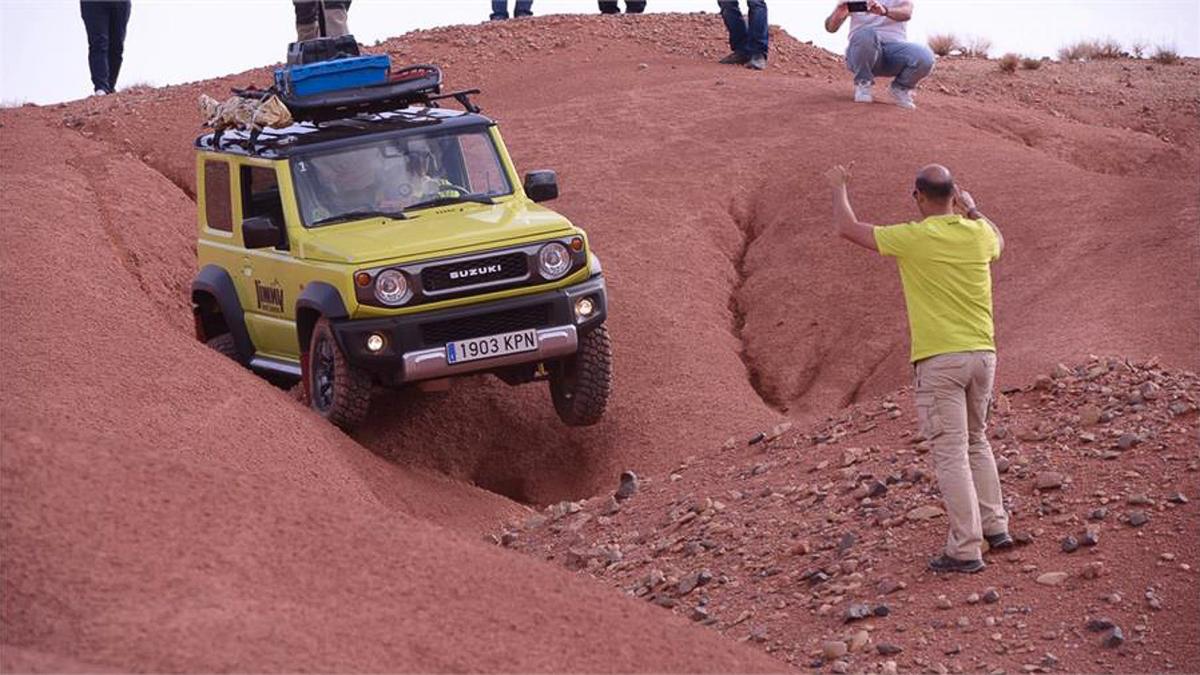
[585, 403]
[224, 344]
[351, 386]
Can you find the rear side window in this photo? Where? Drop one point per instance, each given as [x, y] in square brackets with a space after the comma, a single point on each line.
[260, 197]
[217, 209]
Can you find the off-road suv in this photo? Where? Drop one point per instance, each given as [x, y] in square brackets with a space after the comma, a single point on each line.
[393, 248]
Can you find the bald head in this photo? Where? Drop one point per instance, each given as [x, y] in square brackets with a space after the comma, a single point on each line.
[935, 182]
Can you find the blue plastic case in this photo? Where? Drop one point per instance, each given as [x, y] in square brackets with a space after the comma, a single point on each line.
[326, 76]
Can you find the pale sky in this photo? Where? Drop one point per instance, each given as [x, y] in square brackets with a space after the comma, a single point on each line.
[43, 47]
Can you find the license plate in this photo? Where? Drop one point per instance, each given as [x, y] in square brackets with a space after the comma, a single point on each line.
[492, 346]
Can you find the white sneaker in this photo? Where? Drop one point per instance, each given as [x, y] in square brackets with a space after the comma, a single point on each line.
[862, 93]
[99, 92]
[902, 97]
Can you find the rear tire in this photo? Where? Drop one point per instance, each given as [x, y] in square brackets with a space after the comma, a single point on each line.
[580, 384]
[224, 344]
[338, 391]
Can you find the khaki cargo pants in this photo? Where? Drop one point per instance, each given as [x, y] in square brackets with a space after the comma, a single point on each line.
[953, 396]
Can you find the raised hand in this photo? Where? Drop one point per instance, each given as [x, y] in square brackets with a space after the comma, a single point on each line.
[839, 176]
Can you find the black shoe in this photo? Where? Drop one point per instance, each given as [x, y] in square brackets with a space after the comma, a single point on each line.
[735, 59]
[757, 62]
[945, 563]
[998, 542]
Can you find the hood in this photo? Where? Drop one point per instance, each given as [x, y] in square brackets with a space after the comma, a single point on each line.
[433, 232]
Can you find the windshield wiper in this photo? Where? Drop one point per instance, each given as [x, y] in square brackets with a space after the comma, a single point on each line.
[360, 215]
[456, 199]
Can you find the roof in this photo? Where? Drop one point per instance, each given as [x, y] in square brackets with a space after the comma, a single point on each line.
[281, 143]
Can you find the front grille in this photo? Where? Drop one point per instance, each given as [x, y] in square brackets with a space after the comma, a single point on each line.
[437, 333]
[447, 277]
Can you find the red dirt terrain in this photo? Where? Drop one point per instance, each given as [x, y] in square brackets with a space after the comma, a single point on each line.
[165, 510]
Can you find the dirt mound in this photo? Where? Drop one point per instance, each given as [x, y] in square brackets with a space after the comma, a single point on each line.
[160, 502]
[779, 541]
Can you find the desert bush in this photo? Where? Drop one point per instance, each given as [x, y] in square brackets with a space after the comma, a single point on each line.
[977, 47]
[1030, 63]
[1083, 50]
[1166, 56]
[1138, 49]
[1009, 62]
[1107, 48]
[942, 44]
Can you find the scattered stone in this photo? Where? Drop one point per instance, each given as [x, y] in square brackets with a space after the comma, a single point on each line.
[840, 667]
[611, 507]
[1113, 638]
[1049, 480]
[991, 596]
[1090, 538]
[757, 438]
[1099, 624]
[881, 610]
[886, 649]
[1153, 600]
[1092, 570]
[1113, 598]
[1138, 518]
[848, 541]
[1023, 538]
[927, 512]
[1052, 578]
[1139, 500]
[1089, 415]
[693, 581]
[856, 611]
[1098, 514]
[628, 486]
[1127, 441]
[943, 602]
[1177, 498]
[1070, 544]
[508, 539]
[973, 599]
[833, 649]
[699, 613]
[859, 640]
[1167, 556]
[889, 667]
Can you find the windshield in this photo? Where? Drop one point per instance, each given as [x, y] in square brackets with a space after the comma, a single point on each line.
[391, 174]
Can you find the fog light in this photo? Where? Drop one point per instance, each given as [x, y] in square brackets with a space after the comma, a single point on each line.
[375, 342]
[584, 307]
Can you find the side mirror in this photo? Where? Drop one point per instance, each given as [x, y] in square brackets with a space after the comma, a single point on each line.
[261, 232]
[541, 186]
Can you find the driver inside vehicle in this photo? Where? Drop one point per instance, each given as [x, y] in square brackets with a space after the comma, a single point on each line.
[376, 179]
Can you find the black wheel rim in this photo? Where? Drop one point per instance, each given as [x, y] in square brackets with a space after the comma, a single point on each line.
[323, 374]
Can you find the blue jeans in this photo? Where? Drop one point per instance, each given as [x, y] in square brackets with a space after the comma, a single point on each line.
[867, 57]
[105, 23]
[747, 35]
[521, 8]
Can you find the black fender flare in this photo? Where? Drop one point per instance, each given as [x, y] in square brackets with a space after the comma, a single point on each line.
[318, 299]
[215, 282]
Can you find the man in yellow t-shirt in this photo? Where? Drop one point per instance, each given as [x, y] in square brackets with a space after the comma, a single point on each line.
[945, 268]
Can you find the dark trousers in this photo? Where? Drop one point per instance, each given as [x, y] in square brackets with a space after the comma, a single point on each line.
[105, 23]
[747, 34]
[520, 8]
[631, 7]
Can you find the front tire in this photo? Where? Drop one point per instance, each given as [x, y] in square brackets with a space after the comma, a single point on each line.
[580, 384]
[338, 391]
[223, 344]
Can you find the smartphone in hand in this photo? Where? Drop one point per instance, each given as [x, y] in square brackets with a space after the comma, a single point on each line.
[856, 7]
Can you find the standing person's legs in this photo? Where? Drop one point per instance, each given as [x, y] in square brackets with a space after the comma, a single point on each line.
[308, 25]
[95, 21]
[735, 23]
[863, 55]
[983, 463]
[909, 62]
[523, 8]
[759, 37]
[941, 399]
[499, 10]
[118, 20]
[635, 6]
[337, 15]
[609, 7]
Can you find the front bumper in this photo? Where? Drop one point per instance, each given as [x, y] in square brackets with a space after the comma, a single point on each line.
[415, 344]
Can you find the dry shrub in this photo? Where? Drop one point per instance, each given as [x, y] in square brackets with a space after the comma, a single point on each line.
[977, 47]
[1030, 63]
[1009, 62]
[1166, 56]
[942, 44]
[1084, 50]
[1108, 48]
[1139, 49]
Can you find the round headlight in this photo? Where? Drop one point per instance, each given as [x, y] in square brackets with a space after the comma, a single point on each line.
[391, 288]
[554, 260]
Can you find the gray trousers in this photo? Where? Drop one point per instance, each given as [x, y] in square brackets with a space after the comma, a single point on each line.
[868, 57]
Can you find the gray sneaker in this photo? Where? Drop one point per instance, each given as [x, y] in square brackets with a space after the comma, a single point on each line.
[757, 62]
[902, 97]
[735, 59]
[862, 92]
[945, 563]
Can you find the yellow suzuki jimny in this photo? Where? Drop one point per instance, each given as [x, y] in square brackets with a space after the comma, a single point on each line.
[381, 240]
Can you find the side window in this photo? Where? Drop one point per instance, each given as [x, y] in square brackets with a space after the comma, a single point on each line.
[260, 196]
[217, 209]
[482, 168]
